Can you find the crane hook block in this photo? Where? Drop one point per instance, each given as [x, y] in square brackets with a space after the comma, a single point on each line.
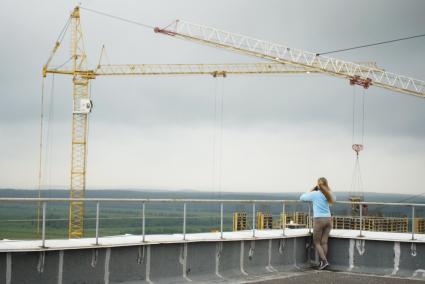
[357, 148]
[357, 80]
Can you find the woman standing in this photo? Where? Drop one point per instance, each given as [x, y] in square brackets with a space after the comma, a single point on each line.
[321, 197]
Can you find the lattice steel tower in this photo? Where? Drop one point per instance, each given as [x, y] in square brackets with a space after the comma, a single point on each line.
[81, 109]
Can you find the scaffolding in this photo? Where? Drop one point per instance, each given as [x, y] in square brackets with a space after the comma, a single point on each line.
[264, 220]
[342, 222]
[239, 221]
[292, 219]
[284, 220]
[377, 224]
[301, 220]
[419, 225]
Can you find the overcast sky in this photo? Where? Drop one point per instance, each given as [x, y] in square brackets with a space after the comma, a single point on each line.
[280, 132]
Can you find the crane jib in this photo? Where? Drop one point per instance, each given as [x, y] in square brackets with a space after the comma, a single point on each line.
[356, 73]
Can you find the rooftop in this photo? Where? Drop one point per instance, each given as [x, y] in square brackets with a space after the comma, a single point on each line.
[128, 239]
[320, 277]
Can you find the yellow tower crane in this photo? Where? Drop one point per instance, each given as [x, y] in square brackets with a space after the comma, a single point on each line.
[358, 73]
[82, 105]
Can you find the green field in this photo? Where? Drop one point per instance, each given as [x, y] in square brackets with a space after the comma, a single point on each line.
[19, 220]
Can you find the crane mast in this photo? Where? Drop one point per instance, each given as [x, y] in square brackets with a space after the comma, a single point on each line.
[81, 109]
[283, 54]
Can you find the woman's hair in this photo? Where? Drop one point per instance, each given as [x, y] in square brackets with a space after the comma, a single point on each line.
[324, 188]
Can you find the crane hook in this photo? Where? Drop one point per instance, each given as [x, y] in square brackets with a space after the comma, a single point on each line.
[357, 148]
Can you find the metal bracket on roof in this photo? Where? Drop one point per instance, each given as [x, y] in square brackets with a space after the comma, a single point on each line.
[94, 256]
[141, 255]
[281, 245]
[219, 249]
[360, 245]
[413, 249]
[251, 250]
[41, 258]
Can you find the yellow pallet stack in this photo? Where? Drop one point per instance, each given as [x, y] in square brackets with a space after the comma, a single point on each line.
[342, 222]
[264, 220]
[301, 218]
[298, 219]
[419, 225]
[377, 224]
[239, 221]
[295, 218]
[284, 219]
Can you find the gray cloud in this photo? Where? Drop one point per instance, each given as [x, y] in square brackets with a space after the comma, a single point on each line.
[316, 104]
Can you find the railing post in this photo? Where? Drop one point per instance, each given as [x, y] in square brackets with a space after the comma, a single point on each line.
[43, 229]
[361, 219]
[184, 221]
[283, 219]
[143, 221]
[253, 219]
[413, 222]
[97, 222]
[221, 220]
[309, 221]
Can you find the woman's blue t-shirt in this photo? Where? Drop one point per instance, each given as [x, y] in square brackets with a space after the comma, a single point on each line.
[320, 203]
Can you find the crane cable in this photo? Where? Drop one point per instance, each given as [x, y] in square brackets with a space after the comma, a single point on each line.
[357, 180]
[40, 152]
[214, 139]
[217, 143]
[371, 44]
[49, 134]
[220, 148]
[354, 112]
[58, 42]
[44, 165]
[118, 18]
[317, 54]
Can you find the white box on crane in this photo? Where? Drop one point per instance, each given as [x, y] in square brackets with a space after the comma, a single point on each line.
[84, 105]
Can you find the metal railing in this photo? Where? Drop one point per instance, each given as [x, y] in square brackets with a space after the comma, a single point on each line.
[43, 202]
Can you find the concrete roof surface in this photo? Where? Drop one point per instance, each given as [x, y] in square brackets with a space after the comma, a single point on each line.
[322, 277]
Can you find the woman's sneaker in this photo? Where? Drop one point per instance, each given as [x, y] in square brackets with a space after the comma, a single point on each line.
[323, 264]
